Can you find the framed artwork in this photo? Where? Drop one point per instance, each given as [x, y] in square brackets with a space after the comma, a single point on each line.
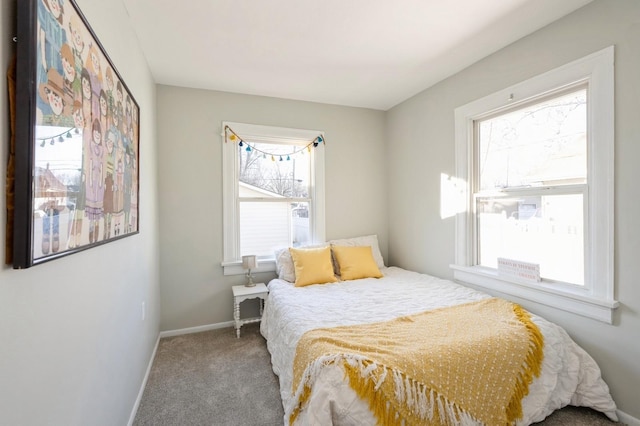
[76, 138]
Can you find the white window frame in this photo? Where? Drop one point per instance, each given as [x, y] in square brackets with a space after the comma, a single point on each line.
[596, 298]
[232, 263]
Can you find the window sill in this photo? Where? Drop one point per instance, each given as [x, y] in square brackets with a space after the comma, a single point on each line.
[235, 268]
[544, 293]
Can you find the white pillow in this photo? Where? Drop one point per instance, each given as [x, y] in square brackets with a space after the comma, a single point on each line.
[368, 240]
[284, 263]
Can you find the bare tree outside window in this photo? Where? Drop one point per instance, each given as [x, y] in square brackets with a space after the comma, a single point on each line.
[274, 168]
[540, 144]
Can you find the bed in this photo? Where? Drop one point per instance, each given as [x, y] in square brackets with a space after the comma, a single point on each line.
[323, 389]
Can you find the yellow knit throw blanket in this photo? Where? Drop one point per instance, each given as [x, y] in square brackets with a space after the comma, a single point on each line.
[465, 364]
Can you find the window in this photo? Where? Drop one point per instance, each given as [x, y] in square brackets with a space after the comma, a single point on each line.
[530, 185]
[273, 191]
[537, 162]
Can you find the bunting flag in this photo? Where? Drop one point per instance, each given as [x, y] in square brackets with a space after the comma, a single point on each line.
[233, 137]
[59, 137]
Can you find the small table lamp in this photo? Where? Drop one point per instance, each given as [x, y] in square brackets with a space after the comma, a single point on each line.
[249, 263]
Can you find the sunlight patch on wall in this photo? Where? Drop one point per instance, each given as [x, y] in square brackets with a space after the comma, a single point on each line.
[452, 196]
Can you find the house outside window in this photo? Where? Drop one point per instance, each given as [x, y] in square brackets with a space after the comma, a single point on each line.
[536, 160]
[273, 181]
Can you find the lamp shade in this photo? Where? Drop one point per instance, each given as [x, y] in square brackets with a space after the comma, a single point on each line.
[249, 262]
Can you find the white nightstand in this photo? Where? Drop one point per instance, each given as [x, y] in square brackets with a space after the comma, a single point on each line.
[241, 293]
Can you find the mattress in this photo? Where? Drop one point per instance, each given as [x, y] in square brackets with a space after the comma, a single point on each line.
[569, 376]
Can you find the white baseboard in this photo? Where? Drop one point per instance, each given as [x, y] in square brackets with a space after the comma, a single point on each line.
[134, 410]
[198, 329]
[627, 419]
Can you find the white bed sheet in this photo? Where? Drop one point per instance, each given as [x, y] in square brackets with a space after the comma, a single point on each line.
[569, 375]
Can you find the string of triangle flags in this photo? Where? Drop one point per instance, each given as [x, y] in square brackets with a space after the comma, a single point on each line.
[232, 136]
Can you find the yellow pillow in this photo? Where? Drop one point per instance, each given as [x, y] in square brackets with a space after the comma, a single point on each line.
[313, 266]
[356, 262]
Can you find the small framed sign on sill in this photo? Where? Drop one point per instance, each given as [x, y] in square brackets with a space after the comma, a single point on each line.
[526, 271]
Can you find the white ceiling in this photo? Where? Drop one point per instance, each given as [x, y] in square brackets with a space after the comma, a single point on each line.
[363, 53]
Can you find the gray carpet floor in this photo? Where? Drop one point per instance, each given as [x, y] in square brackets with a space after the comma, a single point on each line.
[212, 378]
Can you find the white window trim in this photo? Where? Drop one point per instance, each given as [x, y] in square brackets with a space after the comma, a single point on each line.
[596, 299]
[232, 264]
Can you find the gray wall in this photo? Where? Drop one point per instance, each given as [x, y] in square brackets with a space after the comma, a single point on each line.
[420, 135]
[73, 347]
[194, 290]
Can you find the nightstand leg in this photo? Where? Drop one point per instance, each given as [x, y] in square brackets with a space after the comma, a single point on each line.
[236, 317]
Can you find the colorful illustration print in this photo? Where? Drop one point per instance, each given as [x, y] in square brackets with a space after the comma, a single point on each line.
[86, 143]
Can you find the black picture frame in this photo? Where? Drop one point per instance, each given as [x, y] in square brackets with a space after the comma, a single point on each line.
[77, 136]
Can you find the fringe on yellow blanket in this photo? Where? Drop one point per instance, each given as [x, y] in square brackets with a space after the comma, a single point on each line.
[398, 387]
[533, 363]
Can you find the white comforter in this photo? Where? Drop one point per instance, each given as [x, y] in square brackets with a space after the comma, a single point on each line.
[569, 375]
